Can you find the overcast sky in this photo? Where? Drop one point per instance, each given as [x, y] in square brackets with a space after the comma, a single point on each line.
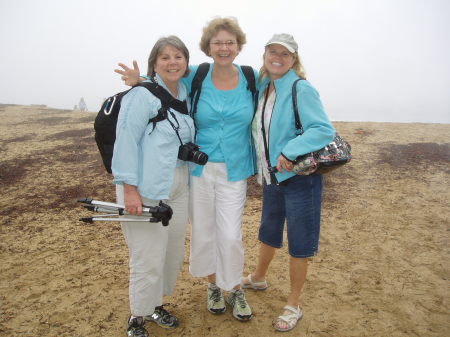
[385, 60]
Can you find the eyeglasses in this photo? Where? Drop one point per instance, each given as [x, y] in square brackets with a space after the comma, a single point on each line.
[228, 44]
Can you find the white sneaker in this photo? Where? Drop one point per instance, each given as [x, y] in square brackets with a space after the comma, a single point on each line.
[215, 302]
[241, 309]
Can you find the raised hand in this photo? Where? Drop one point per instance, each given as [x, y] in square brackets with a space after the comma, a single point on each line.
[129, 76]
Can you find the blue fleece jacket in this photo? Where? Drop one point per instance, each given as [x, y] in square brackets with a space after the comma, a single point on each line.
[283, 136]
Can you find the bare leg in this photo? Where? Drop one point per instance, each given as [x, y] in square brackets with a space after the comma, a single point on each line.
[212, 278]
[266, 254]
[298, 268]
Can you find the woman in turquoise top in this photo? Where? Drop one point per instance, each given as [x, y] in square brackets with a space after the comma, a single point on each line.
[218, 190]
[287, 197]
[222, 119]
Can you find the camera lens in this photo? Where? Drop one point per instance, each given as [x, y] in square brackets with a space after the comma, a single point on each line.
[199, 157]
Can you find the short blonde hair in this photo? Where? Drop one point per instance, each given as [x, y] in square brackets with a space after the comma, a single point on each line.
[217, 24]
[297, 66]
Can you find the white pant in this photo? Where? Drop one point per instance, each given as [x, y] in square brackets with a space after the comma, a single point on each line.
[156, 252]
[216, 208]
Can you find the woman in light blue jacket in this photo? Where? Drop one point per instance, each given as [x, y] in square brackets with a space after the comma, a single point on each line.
[286, 196]
[146, 169]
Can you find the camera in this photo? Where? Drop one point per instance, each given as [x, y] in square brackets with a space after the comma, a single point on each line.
[190, 152]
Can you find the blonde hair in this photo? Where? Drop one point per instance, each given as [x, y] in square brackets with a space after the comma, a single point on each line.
[297, 67]
[228, 24]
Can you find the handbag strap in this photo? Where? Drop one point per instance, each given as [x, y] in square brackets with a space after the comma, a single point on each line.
[298, 124]
[263, 130]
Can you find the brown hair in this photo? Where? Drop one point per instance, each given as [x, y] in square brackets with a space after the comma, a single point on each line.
[173, 41]
[217, 24]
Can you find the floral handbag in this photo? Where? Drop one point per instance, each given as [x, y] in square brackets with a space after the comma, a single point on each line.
[330, 157]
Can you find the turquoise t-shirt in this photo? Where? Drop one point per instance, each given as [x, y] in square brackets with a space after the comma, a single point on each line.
[223, 120]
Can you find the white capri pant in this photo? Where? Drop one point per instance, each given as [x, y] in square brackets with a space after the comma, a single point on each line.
[156, 252]
[216, 208]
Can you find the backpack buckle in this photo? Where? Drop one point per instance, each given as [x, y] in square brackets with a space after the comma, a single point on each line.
[109, 106]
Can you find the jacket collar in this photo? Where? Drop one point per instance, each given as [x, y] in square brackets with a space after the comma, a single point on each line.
[291, 75]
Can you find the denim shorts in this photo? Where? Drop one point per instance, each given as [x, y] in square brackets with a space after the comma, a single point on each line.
[298, 201]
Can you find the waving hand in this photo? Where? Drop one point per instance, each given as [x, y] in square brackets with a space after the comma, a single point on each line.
[129, 76]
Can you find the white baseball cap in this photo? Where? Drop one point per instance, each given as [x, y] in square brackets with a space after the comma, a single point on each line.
[285, 40]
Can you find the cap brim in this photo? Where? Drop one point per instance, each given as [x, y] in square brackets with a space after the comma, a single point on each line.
[288, 47]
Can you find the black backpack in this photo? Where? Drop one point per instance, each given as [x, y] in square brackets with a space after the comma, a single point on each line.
[106, 120]
[202, 71]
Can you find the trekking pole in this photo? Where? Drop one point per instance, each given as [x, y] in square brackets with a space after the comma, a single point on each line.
[162, 212]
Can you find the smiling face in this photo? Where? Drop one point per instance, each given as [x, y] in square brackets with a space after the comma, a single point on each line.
[170, 64]
[223, 48]
[278, 60]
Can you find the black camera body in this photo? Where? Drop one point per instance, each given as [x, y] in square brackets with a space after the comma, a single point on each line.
[190, 152]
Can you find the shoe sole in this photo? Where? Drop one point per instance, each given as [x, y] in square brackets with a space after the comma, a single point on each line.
[217, 311]
[249, 286]
[262, 285]
[243, 319]
[162, 325]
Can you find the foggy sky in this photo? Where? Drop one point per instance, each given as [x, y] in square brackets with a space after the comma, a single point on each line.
[385, 60]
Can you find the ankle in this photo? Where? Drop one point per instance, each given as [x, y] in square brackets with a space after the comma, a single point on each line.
[257, 277]
[293, 303]
[212, 285]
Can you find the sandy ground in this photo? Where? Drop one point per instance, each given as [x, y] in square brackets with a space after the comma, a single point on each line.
[382, 270]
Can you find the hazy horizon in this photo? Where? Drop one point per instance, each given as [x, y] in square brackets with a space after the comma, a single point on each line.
[381, 61]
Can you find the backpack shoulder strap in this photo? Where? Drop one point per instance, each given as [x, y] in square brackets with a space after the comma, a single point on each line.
[250, 77]
[251, 84]
[157, 90]
[196, 87]
[202, 71]
[167, 101]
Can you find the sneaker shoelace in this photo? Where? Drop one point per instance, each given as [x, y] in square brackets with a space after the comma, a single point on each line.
[216, 295]
[240, 298]
[165, 315]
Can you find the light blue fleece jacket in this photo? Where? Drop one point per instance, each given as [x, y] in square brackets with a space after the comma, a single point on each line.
[283, 138]
[147, 157]
[223, 121]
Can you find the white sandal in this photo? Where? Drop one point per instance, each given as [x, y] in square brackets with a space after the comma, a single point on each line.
[291, 319]
[254, 285]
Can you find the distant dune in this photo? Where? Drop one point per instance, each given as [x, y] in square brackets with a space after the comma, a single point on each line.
[382, 268]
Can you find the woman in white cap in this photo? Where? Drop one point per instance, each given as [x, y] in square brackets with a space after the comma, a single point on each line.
[287, 196]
